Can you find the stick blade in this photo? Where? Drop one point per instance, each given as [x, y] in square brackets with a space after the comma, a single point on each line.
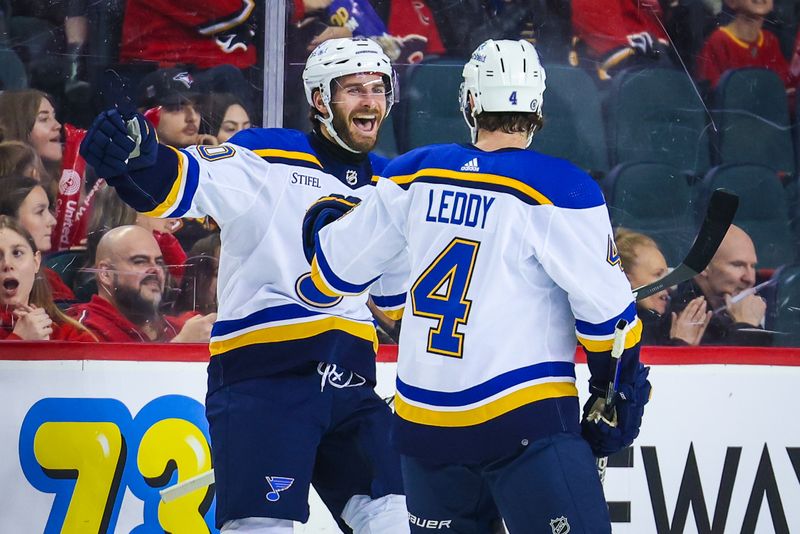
[719, 216]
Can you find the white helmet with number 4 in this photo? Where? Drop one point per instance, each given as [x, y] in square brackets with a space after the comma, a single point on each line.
[335, 58]
[502, 76]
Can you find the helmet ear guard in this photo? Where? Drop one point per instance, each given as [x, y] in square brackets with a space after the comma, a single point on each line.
[335, 58]
[502, 76]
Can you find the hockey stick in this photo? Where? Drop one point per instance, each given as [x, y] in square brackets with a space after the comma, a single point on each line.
[620, 332]
[719, 216]
[187, 486]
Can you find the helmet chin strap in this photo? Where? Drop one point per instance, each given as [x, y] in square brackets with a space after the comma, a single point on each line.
[328, 123]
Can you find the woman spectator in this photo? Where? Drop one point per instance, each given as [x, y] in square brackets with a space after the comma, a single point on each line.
[223, 115]
[26, 200]
[27, 310]
[29, 116]
[643, 264]
[19, 158]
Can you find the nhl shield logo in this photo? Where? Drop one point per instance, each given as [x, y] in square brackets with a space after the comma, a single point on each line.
[559, 525]
[352, 177]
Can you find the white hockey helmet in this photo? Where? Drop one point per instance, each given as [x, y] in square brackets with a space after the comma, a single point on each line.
[335, 58]
[502, 75]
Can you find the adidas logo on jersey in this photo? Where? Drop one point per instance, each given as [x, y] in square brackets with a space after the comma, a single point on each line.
[471, 165]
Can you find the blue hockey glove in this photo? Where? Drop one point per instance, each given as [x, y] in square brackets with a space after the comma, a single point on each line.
[609, 434]
[114, 147]
[321, 213]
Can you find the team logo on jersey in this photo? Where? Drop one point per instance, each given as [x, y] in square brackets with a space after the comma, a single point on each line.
[471, 165]
[559, 525]
[351, 177]
[277, 485]
[612, 256]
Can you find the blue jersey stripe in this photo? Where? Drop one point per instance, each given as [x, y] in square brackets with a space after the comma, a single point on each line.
[267, 315]
[190, 188]
[292, 162]
[490, 387]
[335, 282]
[606, 328]
[389, 301]
[486, 186]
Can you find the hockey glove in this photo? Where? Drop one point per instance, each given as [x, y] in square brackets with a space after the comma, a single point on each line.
[321, 213]
[113, 147]
[608, 434]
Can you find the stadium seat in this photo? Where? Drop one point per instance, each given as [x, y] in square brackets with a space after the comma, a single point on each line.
[573, 123]
[657, 115]
[387, 141]
[67, 263]
[12, 71]
[751, 112]
[428, 110]
[787, 307]
[654, 199]
[763, 211]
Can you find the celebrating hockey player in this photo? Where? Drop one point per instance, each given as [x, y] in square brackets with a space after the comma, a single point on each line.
[291, 398]
[508, 254]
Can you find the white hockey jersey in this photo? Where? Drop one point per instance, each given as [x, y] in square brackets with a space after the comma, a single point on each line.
[257, 188]
[507, 255]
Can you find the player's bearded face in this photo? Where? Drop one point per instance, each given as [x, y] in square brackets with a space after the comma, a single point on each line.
[359, 106]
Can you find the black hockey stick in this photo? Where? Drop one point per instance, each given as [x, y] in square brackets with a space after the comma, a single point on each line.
[719, 216]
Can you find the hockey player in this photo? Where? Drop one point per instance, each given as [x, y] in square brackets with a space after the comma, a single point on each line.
[508, 254]
[290, 381]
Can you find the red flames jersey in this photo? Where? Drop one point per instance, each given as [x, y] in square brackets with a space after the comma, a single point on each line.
[205, 34]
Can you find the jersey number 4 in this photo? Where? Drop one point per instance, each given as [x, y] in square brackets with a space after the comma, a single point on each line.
[441, 293]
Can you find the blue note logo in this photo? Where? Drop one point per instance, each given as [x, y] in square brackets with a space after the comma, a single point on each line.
[277, 485]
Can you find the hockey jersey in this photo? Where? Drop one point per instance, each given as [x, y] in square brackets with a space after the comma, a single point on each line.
[507, 256]
[257, 188]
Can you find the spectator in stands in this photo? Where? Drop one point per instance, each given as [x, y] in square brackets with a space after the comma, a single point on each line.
[726, 284]
[27, 310]
[181, 32]
[130, 278]
[643, 264]
[198, 291]
[172, 93]
[618, 34]
[26, 200]
[742, 43]
[223, 116]
[29, 116]
[20, 159]
[108, 212]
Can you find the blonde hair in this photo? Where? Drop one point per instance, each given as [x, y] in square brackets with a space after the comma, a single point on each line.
[40, 295]
[628, 242]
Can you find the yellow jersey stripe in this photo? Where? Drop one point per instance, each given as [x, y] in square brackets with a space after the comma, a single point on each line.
[294, 331]
[633, 336]
[496, 179]
[743, 44]
[319, 280]
[288, 154]
[481, 414]
[174, 192]
[394, 315]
